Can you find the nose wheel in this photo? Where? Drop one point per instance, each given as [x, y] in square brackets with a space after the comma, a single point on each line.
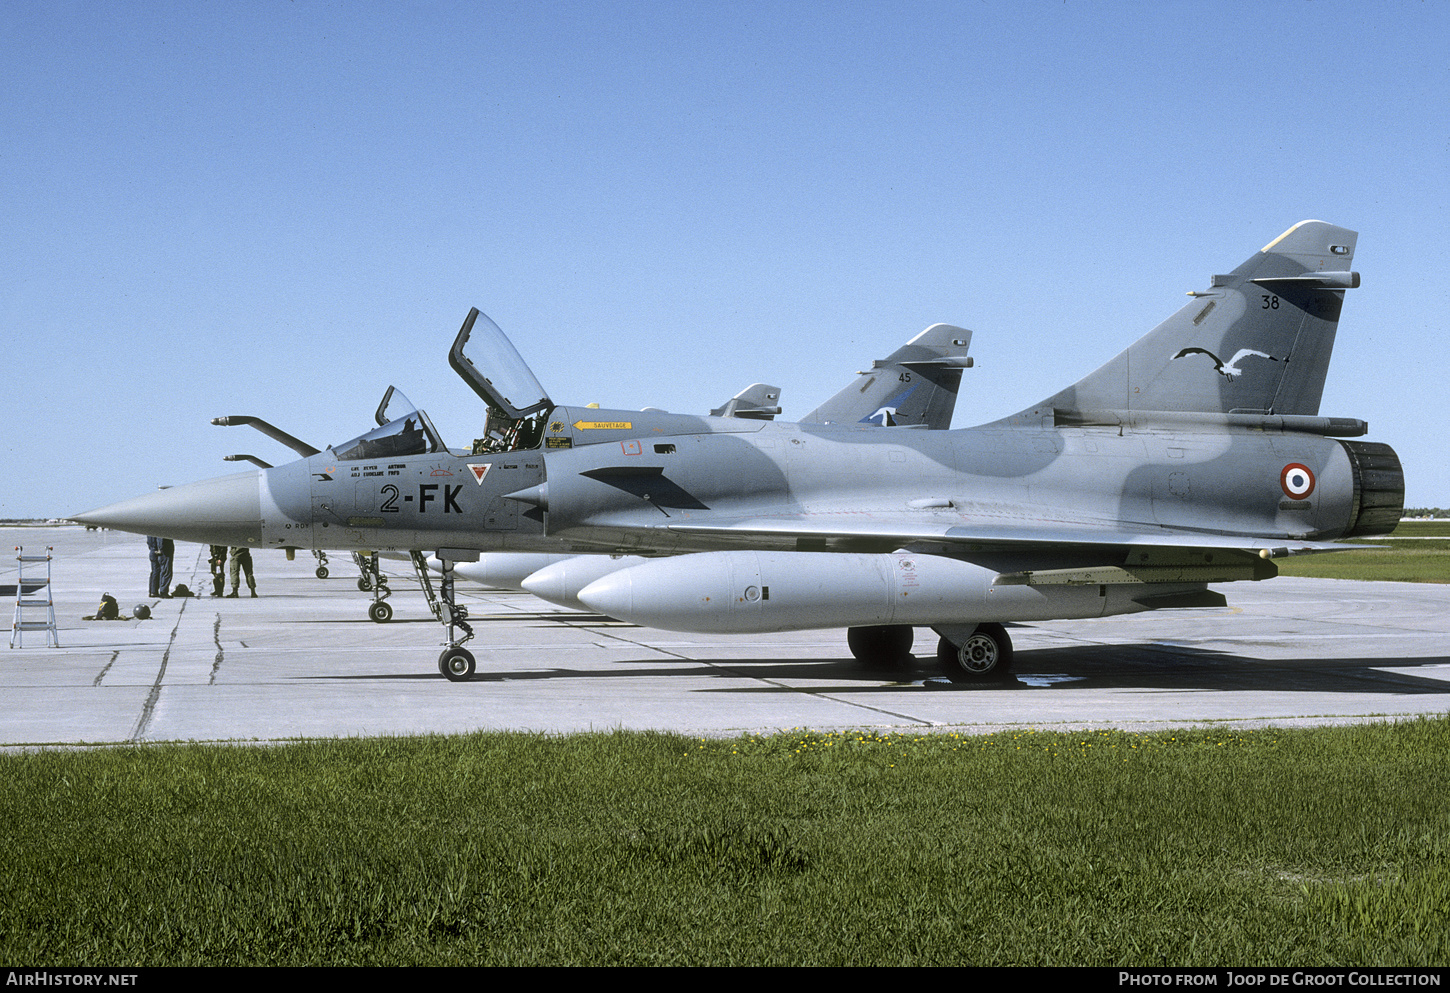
[372, 579]
[370, 576]
[457, 664]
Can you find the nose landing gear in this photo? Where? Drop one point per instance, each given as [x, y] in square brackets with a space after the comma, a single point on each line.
[456, 662]
[373, 579]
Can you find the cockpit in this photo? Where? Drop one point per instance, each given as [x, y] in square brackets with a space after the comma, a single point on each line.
[402, 430]
[518, 407]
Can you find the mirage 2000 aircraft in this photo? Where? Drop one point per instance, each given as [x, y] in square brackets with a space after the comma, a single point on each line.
[1197, 456]
[913, 387]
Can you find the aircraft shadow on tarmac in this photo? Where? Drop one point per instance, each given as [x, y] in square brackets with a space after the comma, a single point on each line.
[1137, 666]
[543, 619]
[1146, 666]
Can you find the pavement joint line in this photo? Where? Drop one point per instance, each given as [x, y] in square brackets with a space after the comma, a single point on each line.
[216, 638]
[806, 690]
[1273, 658]
[149, 707]
[106, 668]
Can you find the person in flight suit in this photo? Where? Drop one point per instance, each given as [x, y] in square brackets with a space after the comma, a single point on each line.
[218, 564]
[242, 562]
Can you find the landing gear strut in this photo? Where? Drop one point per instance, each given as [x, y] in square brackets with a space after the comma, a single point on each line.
[455, 662]
[372, 579]
[321, 557]
[369, 575]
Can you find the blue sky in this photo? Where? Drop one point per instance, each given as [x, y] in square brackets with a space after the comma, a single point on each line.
[281, 208]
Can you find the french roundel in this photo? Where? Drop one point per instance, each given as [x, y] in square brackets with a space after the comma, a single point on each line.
[1297, 481]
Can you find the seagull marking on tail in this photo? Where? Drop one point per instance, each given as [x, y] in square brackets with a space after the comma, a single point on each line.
[1228, 369]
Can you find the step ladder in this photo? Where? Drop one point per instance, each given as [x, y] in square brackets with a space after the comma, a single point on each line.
[31, 593]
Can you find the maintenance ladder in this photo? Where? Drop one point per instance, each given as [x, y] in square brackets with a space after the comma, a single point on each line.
[32, 593]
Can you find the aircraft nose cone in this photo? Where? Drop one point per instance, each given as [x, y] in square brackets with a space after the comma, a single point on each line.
[226, 510]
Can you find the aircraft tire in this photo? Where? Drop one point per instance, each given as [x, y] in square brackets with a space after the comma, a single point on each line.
[364, 584]
[380, 612]
[985, 655]
[886, 646]
[322, 572]
[457, 664]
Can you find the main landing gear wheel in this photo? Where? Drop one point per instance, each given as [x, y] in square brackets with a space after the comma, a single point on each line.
[886, 646]
[457, 664]
[985, 654]
[380, 611]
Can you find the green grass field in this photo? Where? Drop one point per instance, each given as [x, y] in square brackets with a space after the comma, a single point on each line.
[1422, 529]
[1412, 554]
[1209, 847]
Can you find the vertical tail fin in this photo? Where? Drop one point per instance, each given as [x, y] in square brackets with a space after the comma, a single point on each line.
[758, 401]
[1257, 341]
[914, 385]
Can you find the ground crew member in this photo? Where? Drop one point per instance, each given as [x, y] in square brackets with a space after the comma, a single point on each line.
[218, 563]
[242, 560]
[161, 551]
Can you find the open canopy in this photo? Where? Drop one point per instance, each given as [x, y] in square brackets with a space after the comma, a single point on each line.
[505, 382]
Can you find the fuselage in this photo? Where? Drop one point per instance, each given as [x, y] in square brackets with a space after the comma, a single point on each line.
[645, 494]
[1195, 456]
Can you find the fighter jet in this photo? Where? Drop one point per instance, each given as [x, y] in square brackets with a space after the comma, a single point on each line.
[1132, 489]
[917, 383]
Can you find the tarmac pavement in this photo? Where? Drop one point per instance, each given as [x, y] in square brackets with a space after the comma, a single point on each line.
[304, 661]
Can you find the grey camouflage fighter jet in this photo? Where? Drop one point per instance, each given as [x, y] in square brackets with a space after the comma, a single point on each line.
[917, 384]
[1162, 472]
